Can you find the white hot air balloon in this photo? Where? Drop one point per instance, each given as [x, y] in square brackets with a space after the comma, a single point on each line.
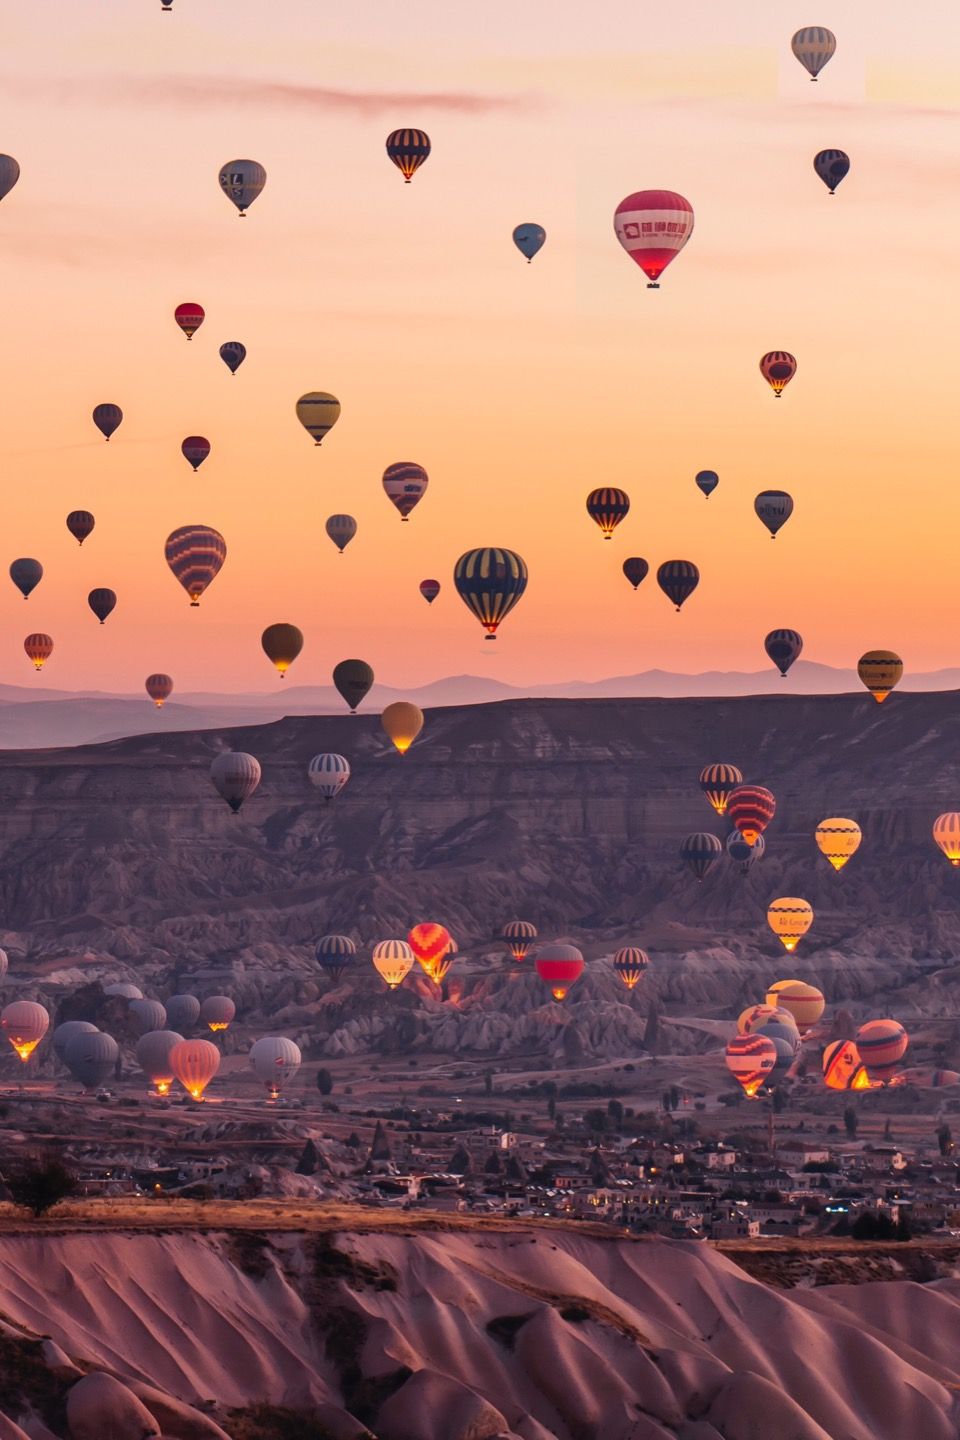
[275, 1061]
[235, 775]
[329, 773]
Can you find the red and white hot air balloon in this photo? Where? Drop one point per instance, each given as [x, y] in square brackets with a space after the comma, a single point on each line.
[653, 226]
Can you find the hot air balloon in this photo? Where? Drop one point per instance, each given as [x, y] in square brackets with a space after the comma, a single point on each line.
[701, 852]
[195, 554]
[774, 508]
[813, 46]
[64, 1034]
[780, 1026]
[630, 963]
[102, 602]
[242, 181]
[39, 648]
[882, 1044]
[153, 1057]
[24, 1023]
[717, 782]
[754, 1016]
[282, 644]
[318, 411]
[743, 853]
[804, 1002]
[490, 581]
[124, 989]
[194, 1063]
[926, 1079]
[353, 679]
[235, 775]
[195, 450]
[607, 507]
[783, 647]
[408, 149]
[329, 773]
[750, 808]
[653, 226]
[107, 419]
[26, 575]
[429, 943]
[529, 239]
[778, 368]
[842, 1067]
[790, 918]
[832, 166]
[9, 174]
[148, 1014]
[786, 1049]
[636, 570]
[751, 1060]
[275, 1061]
[183, 1011]
[233, 354]
[559, 966]
[837, 839]
[341, 529]
[159, 688]
[189, 316]
[429, 589]
[91, 1057]
[402, 722]
[393, 961]
[880, 671]
[334, 953]
[405, 484]
[80, 523]
[166, 6]
[946, 833]
[217, 1012]
[678, 579]
[519, 935]
[707, 481]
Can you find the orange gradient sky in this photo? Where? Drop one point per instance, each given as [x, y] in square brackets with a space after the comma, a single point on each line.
[519, 387]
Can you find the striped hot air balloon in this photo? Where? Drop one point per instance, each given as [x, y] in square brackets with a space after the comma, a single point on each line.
[773, 508]
[842, 1067]
[946, 833]
[408, 149]
[393, 960]
[838, 839]
[636, 570]
[880, 671]
[242, 181]
[102, 602]
[700, 852]
[783, 647]
[341, 529]
[882, 1044]
[750, 808]
[559, 966]
[814, 46]
[405, 484]
[519, 935]
[9, 174]
[39, 648]
[490, 581]
[334, 953]
[607, 506]
[329, 773]
[80, 523]
[804, 1002]
[678, 579]
[195, 450]
[429, 942]
[832, 166]
[790, 918]
[189, 316]
[107, 418]
[754, 1016]
[750, 1060]
[653, 226]
[778, 368]
[159, 688]
[717, 782]
[195, 554]
[235, 775]
[318, 411]
[631, 963]
[744, 854]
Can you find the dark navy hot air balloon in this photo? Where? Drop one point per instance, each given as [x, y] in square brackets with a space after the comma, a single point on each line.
[701, 852]
[107, 418]
[80, 523]
[832, 166]
[636, 570]
[102, 602]
[707, 481]
[353, 679]
[490, 581]
[26, 575]
[233, 354]
[607, 506]
[408, 149]
[529, 239]
[774, 508]
[678, 579]
[783, 647]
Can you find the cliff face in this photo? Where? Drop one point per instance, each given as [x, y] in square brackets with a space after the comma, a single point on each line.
[541, 1334]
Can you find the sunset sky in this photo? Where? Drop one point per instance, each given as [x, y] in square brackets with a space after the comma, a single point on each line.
[518, 387]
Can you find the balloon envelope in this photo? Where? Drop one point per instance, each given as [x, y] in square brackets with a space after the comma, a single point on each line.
[429, 589]
[148, 1014]
[353, 679]
[194, 1063]
[832, 166]
[751, 1060]
[630, 963]
[183, 1011]
[678, 579]
[275, 1061]
[718, 782]
[159, 687]
[341, 530]
[393, 960]
[700, 852]
[559, 966]
[80, 523]
[837, 839]
[882, 1044]
[405, 484]
[946, 834]
[39, 648]
[804, 1002]
[408, 149]
[9, 174]
[329, 773]
[653, 226]
[195, 554]
[529, 239]
[318, 411]
[814, 46]
[195, 450]
[102, 602]
[774, 508]
[91, 1057]
[107, 418]
[24, 1023]
[189, 316]
[707, 481]
[607, 506]
[783, 647]
[880, 671]
[402, 722]
[519, 935]
[242, 181]
[789, 918]
[217, 1012]
[334, 953]
[64, 1034]
[26, 575]
[750, 808]
[282, 644]
[778, 368]
[235, 775]
[233, 354]
[636, 570]
[153, 1057]
[490, 581]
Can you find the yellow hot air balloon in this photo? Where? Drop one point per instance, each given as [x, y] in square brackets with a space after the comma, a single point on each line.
[880, 671]
[318, 411]
[393, 960]
[804, 1002]
[790, 918]
[946, 832]
[403, 722]
[837, 839]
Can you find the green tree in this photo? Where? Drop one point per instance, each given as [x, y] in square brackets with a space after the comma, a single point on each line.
[40, 1184]
[488, 1081]
[850, 1122]
[324, 1082]
[615, 1112]
[945, 1138]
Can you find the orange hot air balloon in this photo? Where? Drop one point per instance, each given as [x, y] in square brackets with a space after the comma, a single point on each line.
[189, 316]
[194, 1063]
[804, 1002]
[429, 943]
[559, 966]
[159, 688]
[880, 671]
[790, 918]
[838, 839]
[281, 645]
[842, 1067]
[882, 1045]
[750, 808]
[39, 648]
[946, 833]
[24, 1023]
[402, 722]
[750, 1060]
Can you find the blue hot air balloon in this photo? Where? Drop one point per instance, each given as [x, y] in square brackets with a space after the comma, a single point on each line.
[707, 481]
[529, 239]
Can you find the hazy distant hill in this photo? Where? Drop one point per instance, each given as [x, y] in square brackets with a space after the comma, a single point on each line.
[31, 718]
